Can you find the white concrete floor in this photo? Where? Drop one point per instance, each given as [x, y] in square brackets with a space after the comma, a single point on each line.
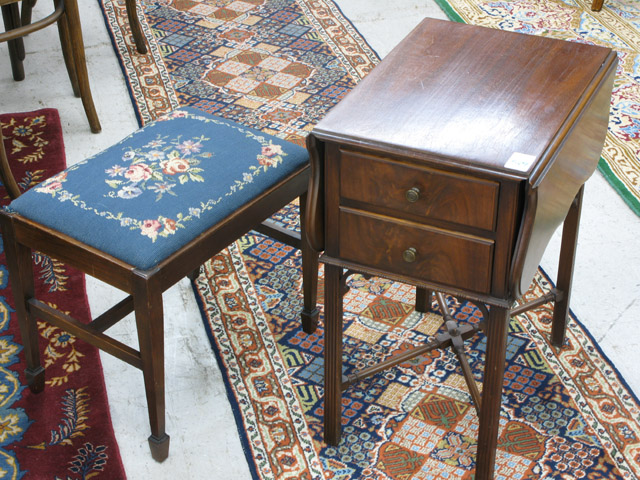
[204, 439]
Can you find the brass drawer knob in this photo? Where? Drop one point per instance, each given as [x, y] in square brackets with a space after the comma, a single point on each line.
[412, 195]
[409, 255]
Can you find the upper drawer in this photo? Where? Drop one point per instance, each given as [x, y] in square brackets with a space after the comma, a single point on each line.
[420, 191]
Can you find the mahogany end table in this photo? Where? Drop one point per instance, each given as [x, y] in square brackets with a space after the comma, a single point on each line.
[449, 167]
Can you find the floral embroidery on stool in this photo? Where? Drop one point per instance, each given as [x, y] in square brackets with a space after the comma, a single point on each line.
[182, 173]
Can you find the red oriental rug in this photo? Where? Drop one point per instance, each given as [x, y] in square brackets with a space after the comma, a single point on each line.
[64, 432]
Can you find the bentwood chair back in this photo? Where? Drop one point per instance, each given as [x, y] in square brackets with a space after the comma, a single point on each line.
[65, 14]
[132, 14]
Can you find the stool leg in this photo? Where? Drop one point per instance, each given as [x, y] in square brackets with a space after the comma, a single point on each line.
[310, 310]
[423, 300]
[72, 17]
[496, 329]
[565, 269]
[147, 300]
[332, 355]
[22, 286]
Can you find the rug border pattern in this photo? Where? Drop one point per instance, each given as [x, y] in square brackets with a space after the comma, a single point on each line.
[558, 361]
[237, 390]
[162, 93]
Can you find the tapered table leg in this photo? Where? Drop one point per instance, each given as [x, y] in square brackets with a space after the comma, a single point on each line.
[332, 355]
[496, 331]
[565, 269]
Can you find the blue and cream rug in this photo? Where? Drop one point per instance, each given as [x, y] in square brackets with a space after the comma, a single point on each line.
[566, 415]
[279, 65]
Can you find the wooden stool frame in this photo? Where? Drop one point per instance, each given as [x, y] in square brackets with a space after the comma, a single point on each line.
[144, 288]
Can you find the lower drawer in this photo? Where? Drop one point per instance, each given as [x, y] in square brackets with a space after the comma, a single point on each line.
[415, 250]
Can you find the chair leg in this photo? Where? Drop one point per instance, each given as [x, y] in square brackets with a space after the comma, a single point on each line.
[67, 54]
[21, 278]
[25, 14]
[6, 176]
[17, 22]
[596, 6]
[568, 248]
[136, 29]
[72, 17]
[147, 299]
[11, 19]
[310, 262]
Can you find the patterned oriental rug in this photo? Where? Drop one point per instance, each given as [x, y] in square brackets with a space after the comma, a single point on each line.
[279, 65]
[64, 432]
[616, 26]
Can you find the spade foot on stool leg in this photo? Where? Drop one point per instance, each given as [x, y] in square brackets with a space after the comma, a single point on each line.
[35, 379]
[159, 447]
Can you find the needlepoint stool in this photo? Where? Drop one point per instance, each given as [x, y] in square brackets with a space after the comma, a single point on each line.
[142, 215]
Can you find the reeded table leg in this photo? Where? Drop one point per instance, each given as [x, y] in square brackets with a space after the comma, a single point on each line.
[332, 355]
[496, 329]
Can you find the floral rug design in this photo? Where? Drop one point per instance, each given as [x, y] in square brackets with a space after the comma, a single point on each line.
[64, 432]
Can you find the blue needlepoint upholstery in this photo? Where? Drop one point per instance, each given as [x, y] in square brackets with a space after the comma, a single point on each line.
[145, 197]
